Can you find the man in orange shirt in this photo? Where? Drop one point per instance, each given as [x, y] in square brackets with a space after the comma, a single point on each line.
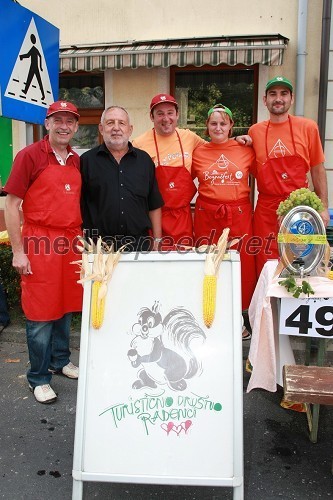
[287, 148]
[171, 150]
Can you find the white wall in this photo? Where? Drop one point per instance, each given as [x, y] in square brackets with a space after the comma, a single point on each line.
[111, 20]
[133, 89]
[329, 124]
[105, 21]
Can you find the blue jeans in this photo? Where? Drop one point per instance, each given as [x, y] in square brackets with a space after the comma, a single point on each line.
[4, 316]
[48, 345]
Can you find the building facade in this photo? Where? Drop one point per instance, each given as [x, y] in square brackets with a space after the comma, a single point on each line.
[201, 52]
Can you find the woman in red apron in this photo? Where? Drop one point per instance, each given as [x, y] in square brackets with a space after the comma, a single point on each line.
[222, 167]
[177, 189]
[276, 179]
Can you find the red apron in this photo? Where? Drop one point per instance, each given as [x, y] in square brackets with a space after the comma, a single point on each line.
[211, 217]
[52, 220]
[276, 179]
[177, 189]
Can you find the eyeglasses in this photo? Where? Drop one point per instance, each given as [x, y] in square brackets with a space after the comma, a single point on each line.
[220, 107]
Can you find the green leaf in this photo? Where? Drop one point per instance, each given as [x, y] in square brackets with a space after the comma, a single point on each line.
[307, 288]
[289, 283]
[298, 292]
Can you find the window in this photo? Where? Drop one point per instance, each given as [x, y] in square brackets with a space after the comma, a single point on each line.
[86, 91]
[198, 89]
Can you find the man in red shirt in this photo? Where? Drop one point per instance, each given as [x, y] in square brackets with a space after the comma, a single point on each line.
[46, 181]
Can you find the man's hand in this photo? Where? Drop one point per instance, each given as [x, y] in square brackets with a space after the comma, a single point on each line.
[325, 215]
[21, 263]
[156, 245]
[319, 180]
[244, 139]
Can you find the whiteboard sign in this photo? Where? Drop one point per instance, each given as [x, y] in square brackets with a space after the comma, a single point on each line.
[159, 394]
[310, 317]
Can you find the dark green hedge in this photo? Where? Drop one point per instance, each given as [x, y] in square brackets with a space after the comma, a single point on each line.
[10, 279]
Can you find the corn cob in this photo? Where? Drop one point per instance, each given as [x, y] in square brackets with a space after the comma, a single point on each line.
[215, 254]
[97, 306]
[209, 299]
[330, 275]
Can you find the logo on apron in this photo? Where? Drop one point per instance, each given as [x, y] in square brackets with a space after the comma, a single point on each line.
[279, 150]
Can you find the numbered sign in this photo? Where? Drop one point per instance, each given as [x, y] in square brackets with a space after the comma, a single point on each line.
[311, 317]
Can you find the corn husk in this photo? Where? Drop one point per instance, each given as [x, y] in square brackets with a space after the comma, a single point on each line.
[214, 257]
[104, 263]
[215, 253]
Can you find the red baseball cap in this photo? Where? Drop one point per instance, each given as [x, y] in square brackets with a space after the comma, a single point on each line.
[160, 98]
[62, 106]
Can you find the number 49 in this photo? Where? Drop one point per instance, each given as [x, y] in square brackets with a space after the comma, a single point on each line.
[304, 325]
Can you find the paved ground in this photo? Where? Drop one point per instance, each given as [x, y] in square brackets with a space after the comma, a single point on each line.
[36, 444]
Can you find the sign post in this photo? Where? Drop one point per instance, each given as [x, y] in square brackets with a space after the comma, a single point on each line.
[160, 396]
[29, 53]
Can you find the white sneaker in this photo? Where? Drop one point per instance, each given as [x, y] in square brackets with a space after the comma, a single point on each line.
[44, 393]
[70, 370]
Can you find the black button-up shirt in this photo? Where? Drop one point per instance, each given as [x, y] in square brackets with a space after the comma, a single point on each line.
[117, 197]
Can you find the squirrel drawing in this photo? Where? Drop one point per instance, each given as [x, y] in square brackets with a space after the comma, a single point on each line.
[162, 348]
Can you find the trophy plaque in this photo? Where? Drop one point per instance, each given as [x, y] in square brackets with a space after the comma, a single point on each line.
[301, 241]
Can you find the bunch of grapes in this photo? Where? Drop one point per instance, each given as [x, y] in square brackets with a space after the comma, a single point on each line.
[302, 196]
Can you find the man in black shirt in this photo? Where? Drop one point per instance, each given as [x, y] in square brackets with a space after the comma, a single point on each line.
[120, 197]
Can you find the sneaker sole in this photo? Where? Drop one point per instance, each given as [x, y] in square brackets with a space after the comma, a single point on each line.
[43, 402]
[68, 376]
[63, 374]
[49, 401]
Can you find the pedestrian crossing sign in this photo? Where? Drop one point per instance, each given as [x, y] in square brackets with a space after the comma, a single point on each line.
[29, 51]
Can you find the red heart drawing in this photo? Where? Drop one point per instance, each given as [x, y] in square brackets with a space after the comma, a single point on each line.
[167, 427]
[187, 425]
[177, 429]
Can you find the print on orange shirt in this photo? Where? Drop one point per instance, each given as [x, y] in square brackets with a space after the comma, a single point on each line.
[223, 171]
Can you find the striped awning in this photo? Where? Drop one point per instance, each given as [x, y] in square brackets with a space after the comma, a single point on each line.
[231, 50]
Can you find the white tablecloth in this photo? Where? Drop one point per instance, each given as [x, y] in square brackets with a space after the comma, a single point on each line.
[269, 351]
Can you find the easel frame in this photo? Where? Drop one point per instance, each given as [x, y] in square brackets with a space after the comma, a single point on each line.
[230, 265]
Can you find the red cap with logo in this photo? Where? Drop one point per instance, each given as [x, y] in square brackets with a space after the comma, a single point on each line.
[62, 106]
[160, 98]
